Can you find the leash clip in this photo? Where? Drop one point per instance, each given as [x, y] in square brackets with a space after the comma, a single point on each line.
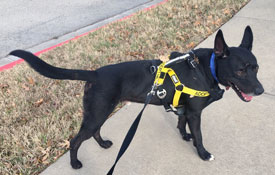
[153, 90]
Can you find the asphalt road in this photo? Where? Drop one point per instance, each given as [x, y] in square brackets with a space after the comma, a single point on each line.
[28, 23]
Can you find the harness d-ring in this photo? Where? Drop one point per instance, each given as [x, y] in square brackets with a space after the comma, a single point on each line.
[179, 87]
[153, 69]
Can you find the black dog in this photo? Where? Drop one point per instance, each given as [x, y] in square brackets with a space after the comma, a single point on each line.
[234, 67]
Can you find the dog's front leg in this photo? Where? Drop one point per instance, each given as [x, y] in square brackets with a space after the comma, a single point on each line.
[194, 122]
[182, 121]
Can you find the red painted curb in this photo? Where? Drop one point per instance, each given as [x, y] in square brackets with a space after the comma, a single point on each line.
[10, 65]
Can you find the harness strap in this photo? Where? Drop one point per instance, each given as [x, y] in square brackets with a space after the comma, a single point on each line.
[179, 87]
[215, 93]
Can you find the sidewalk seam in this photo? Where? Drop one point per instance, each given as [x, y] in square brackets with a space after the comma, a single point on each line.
[269, 94]
[258, 19]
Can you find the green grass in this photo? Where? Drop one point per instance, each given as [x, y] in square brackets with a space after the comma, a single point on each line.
[39, 115]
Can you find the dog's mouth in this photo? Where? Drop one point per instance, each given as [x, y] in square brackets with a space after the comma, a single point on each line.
[243, 96]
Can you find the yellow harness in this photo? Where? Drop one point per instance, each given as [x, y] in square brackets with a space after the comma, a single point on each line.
[159, 79]
[179, 87]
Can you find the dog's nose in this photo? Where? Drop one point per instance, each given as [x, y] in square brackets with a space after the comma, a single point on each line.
[259, 91]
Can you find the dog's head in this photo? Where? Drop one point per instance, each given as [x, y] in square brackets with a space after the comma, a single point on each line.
[237, 66]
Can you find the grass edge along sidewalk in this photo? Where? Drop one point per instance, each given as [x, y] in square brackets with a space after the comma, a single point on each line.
[39, 115]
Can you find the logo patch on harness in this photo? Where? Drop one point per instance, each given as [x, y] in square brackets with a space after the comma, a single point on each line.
[175, 79]
[201, 93]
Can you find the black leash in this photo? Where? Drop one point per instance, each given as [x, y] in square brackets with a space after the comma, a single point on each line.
[131, 133]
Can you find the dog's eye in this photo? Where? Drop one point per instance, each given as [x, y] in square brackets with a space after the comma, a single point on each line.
[241, 73]
[255, 69]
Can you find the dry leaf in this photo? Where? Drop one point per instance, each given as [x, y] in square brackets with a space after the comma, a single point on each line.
[39, 102]
[164, 58]
[45, 157]
[57, 82]
[111, 38]
[31, 81]
[65, 144]
[4, 86]
[209, 31]
[25, 87]
[77, 95]
[218, 21]
[45, 162]
[58, 154]
[226, 11]
[180, 37]
[49, 143]
[190, 45]
[197, 23]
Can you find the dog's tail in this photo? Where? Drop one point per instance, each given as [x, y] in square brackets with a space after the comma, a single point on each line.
[54, 72]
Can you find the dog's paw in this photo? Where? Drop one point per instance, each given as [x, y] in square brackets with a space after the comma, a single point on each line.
[106, 144]
[187, 137]
[76, 164]
[204, 155]
[211, 158]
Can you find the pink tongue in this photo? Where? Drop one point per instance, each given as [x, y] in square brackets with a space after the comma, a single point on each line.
[227, 87]
[247, 97]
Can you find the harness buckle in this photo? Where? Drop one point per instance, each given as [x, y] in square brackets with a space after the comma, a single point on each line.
[170, 108]
[173, 108]
[193, 63]
[161, 94]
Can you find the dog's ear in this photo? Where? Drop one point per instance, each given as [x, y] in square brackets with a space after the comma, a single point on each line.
[247, 39]
[220, 47]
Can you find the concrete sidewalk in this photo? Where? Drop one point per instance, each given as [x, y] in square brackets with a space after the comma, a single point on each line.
[240, 135]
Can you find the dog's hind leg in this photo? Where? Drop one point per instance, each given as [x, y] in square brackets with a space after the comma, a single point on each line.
[84, 133]
[90, 127]
[97, 107]
[103, 143]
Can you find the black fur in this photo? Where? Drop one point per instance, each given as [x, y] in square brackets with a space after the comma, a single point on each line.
[131, 81]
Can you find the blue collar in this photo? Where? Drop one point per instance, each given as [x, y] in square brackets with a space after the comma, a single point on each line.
[213, 67]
